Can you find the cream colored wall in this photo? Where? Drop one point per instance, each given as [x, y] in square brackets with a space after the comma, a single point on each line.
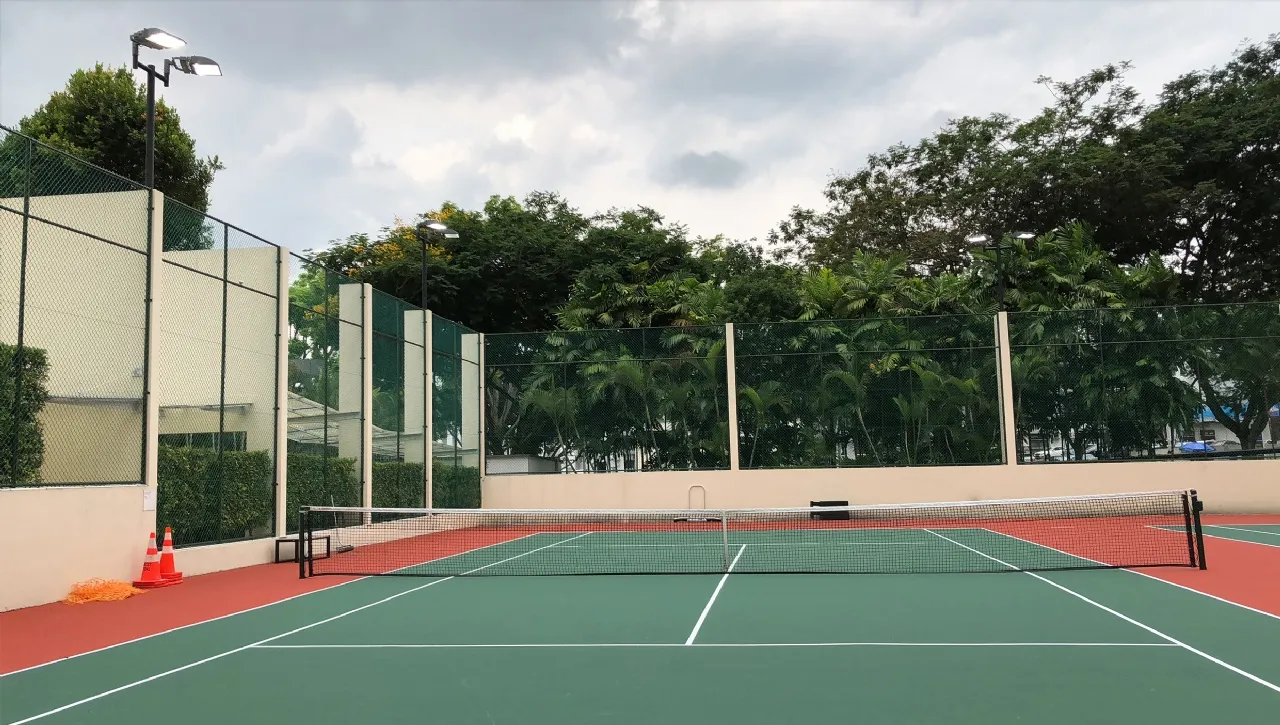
[195, 560]
[53, 537]
[1224, 486]
[115, 454]
[189, 358]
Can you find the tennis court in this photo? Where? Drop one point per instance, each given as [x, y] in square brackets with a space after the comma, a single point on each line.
[969, 614]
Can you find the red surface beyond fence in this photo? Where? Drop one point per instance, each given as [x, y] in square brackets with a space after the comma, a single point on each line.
[1241, 572]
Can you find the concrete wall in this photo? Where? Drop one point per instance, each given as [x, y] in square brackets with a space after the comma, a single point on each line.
[1225, 486]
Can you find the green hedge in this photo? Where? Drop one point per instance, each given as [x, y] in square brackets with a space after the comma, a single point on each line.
[455, 488]
[207, 501]
[320, 481]
[398, 485]
[26, 424]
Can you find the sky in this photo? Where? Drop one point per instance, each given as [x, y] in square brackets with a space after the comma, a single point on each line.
[335, 118]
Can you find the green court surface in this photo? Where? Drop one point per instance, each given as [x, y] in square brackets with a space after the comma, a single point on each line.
[1074, 647]
[1268, 534]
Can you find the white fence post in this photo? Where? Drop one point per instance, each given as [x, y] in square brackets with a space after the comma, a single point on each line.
[366, 393]
[429, 379]
[282, 392]
[1004, 368]
[731, 382]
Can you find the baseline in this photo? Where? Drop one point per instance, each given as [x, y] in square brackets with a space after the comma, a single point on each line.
[571, 645]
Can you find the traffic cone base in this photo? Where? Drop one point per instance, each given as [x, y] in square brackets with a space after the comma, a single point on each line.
[150, 577]
[167, 565]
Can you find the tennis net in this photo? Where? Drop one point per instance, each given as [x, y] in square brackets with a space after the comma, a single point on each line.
[1159, 528]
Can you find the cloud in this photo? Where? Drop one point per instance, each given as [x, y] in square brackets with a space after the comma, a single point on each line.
[713, 170]
[334, 118]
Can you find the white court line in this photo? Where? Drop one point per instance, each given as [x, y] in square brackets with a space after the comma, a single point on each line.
[1143, 574]
[720, 545]
[707, 609]
[253, 609]
[1240, 528]
[715, 644]
[1219, 537]
[1130, 620]
[260, 642]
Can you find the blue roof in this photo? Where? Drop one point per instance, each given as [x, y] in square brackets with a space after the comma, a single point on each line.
[1207, 415]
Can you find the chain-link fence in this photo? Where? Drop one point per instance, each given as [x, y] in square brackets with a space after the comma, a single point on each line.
[216, 360]
[456, 408]
[901, 391]
[607, 400]
[399, 403]
[1117, 384]
[326, 376]
[72, 343]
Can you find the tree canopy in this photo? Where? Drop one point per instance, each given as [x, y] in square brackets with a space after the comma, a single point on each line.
[101, 117]
[1193, 176]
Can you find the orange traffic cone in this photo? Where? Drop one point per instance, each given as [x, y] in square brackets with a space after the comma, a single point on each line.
[166, 559]
[150, 577]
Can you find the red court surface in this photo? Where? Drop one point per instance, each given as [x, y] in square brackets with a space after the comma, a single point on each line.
[1239, 572]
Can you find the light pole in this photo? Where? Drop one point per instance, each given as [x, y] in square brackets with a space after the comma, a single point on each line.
[986, 243]
[426, 229]
[196, 65]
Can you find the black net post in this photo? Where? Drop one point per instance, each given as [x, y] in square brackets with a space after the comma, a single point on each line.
[303, 531]
[1191, 532]
[1196, 507]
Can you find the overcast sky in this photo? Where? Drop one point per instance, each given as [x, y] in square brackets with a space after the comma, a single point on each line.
[336, 117]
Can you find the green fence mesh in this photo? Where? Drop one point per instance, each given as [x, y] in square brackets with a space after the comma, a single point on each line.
[607, 400]
[216, 356]
[1118, 384]
[72, 351]
[325, 381]
[455, 415]
[399, 403]
[904, 391]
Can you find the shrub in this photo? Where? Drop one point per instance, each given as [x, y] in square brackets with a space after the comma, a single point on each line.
[25, 425]
[207, 500]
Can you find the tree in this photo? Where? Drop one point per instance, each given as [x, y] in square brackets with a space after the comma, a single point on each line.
[1222, 131]
[1195, 176]
[100, 117]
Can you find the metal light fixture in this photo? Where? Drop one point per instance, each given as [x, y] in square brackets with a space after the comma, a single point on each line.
[157, 39]
[197, 65]
[985, 242]
[426, 229]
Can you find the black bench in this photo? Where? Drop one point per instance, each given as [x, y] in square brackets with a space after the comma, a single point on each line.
[294, 540]
[829, 515]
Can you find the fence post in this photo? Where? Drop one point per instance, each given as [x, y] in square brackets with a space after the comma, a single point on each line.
[483, 408]
[731, 385]
[1004, 368]
[151, 401]
[429, 380]
[366, 392]
[282, 394]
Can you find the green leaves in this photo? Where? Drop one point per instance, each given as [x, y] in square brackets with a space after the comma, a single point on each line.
[100, 117]
[20, 422]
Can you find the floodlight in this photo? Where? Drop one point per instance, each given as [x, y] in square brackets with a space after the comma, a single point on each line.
[437, 226]
[1024, 236]
[198, 65]
[157, 39]
[977, 239]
